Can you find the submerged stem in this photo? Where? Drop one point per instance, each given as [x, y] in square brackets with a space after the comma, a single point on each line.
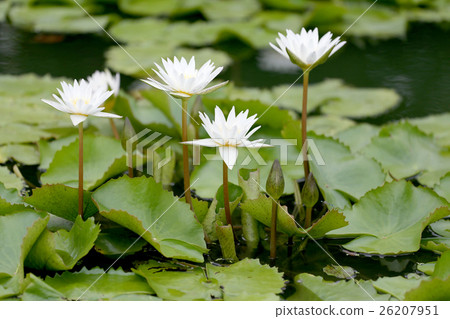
[304, 128]
[187, 183]
[226, 197]
[114, 129]
[308, 217]
[273, 231]
[80, 169]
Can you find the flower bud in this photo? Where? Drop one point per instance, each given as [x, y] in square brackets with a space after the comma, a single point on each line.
[310, 192]
[275, 181]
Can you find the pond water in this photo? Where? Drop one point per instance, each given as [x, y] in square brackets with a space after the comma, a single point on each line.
[418, 67]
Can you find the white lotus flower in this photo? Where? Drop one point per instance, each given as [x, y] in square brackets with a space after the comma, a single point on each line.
[81, 100]
[105, 81]
[229, 134]
[306, 49]
[183, 80]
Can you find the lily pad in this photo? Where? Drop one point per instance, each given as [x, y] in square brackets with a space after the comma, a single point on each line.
[398, 286]
[18, 232]
[62, 201]
[56, 19]
[9, 179]
[143, 206]
[93, 284]
[436, 125]
[61, 250]
[117, 242]
[443, 188]
[358, 136]
[315, 288]
[379, 221]
[403, 151]
[342, 176]
[247, 280]
[328, 125]
[25, 154]
[48, 149]
[103, 159]
[144, 7]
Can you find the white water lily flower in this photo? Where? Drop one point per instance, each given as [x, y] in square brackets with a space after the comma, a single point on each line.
[306, 49]
[229, 134]
[183, 80]
[81, 100]
[104, 80]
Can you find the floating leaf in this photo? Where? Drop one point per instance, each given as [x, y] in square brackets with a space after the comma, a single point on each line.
[93, 284]
[25, 154]
[103, 159]
[18, 232]
[315, 288]
[10, 180]
[341, 175]
[117, 242]
[56, 19]
[62, 201]
[398, 286]
[443, 188]
[341, 272]
[48, 149]
[358, 136]
[61, 250]
[404, 151]
[379, 221]
[328, 125]
[436, 125]
[144, 7]
[230, 10]
[143, 206]
[247, 280]
[180, 285]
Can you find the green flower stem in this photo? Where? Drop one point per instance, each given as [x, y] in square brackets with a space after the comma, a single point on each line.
[114, 129]
[226, 197]
[80, 169]
[273, 231]
[184, 126]
[304, 128]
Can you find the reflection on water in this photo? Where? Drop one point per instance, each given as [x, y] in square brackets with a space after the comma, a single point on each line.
[418, 67]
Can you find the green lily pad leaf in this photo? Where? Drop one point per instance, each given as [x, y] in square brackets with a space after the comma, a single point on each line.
[143, 206]
[318, 93]
[10, 180]
[61, 250]
[442, 267]
[358, 136]
[48, 149]
[10, 195]
[261, 210]
[441, 227]
[22, 134]
[18, 232]
[230, 10]
[436, 125]
[427, 268]
[103, 159]
[144, 7]
[117, 242]
[28, 85]
[315, 288]
[378, 23]
[25, 154]
[52, 19]
[333, 219]
[93, 284]
[178, 285]
[341, 272]
[138, 30]
[437, 245]
[62, 201]
[398, 286]
[247, 280]
[328, 125]
[396, 149]
[430, 290]
[443, 188]
[378, 218]
[341, 175]
[361, 102]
